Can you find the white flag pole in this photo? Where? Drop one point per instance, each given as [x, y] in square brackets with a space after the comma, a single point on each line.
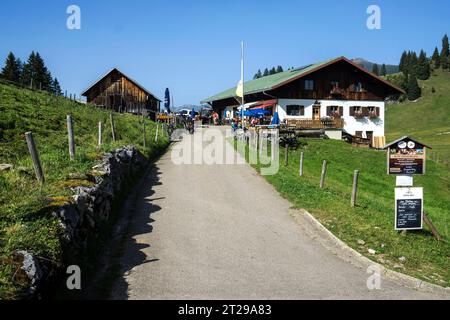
[242, 79]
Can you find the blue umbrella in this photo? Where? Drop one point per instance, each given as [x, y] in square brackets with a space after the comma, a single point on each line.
[167, 100]
[276, 119]
[192, 113]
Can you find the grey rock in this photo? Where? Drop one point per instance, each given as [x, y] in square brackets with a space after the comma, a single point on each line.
[6, 167]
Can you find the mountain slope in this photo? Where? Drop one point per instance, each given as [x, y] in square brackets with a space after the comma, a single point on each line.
[427, 119]
[390, 69]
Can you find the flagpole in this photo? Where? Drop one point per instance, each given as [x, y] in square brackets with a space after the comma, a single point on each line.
[242, 79]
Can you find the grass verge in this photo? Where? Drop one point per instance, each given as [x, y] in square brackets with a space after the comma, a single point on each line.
[25, 206]
[372, 220]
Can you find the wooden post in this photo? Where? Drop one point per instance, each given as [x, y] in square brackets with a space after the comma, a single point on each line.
[301, 163]
[71, 137]
[144, 138]
[355, 188]
[286, 155]
[324, 173]
[430, 224]
[156, 135]
[113, 128]
[100, 134]
[35, 157]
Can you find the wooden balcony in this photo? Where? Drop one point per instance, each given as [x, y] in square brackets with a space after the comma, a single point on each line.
[315, 124]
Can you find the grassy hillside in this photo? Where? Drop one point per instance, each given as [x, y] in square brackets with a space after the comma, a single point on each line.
[373, 219]
[427, 119]
[25, 222]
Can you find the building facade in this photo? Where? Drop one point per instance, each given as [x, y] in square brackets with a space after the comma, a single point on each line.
[118, 92]
[335, 94]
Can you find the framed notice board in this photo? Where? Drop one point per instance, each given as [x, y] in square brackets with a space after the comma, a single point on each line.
[406, 157]
[408, 208]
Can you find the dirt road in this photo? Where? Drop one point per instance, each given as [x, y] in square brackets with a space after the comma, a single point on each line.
[222, 232]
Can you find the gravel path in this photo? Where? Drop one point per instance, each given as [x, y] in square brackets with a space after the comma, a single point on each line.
[223, 232]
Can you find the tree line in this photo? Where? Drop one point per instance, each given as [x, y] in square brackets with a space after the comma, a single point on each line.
[33, 73]
[268, 72]
[414, 67]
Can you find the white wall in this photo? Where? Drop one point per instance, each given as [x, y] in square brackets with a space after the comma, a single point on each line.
[351, 124]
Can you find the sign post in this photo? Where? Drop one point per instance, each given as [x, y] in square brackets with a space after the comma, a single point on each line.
[408, 209]
[406, 157]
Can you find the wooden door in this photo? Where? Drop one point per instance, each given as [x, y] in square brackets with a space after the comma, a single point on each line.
[369, 135]
[316, 113]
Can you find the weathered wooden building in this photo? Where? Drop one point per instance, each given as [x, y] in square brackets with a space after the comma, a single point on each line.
[120, 93]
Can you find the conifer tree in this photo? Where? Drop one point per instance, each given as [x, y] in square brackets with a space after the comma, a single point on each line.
[375, 69]
[436, 58]
[258, 74]
[279, 69]
[445, 53]
[55, 87]
[403, 62]
[383, 71]
[266, 72]
[414, 92]
[11, 70]
[423, 66]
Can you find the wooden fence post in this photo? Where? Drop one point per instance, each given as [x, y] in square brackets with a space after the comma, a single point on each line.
[100, 134]
[144, 138]
[301, 163]
[286, 155]
[355, 188]
[71, 137]
[35, 157]
[433, 229]
[113, 128]
[324, 173]
[156, 135]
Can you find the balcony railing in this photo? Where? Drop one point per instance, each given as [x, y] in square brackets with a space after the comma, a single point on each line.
[316, 124]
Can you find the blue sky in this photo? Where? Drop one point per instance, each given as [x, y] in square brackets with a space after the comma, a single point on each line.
[193, 47]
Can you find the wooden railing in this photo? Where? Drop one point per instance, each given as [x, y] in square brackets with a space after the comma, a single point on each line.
[316, 124]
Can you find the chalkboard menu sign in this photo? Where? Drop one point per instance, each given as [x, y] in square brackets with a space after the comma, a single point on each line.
[406, 157]
[408, 208]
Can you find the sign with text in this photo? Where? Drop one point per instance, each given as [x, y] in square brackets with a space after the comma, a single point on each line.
[408, 208]
[406, 157]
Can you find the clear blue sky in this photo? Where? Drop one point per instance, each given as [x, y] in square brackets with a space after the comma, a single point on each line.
[193, 47]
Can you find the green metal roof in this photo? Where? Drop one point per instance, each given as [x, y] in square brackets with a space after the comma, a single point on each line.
[268, 82]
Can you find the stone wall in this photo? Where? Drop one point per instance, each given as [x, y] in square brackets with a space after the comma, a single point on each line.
[88, 213]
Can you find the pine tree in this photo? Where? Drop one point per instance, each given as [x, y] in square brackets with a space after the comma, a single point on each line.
[383, 71]
[258, 74]
[55, 87]
[412, 62]
[403, 62]
[11, 70]
[423, 66]
[414, 92]
[266, 72]
[375, 69]
[279, 69]
[272, 71]
[436, 58]
[445, 53]
[27, 72]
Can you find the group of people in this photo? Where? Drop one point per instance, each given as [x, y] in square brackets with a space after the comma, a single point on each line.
[237, 123]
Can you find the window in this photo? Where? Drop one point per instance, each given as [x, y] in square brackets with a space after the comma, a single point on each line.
[295, 110]
[334, 109]
[309, 85]
[335, 84]
[358, 87]
[357, 109]
[371, 109]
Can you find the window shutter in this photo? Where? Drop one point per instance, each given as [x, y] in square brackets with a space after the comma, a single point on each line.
[352, 111]
[377, 111]
[302, 110]
[328, 110]
[341, 111]
[365, 111]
